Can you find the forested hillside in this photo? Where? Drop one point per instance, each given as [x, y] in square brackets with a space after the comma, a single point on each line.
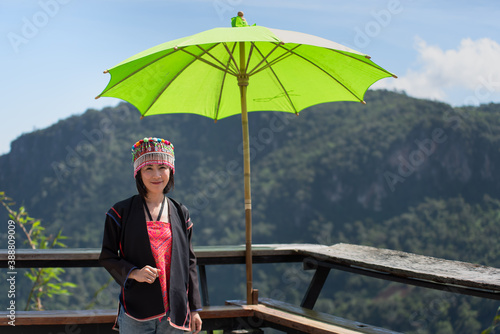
[399, 173]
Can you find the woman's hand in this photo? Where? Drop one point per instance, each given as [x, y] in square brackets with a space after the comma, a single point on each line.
[147, 274]
[195, 322]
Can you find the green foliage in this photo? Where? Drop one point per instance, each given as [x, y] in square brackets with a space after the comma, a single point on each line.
[494, 324]
[96, 295]
[46, 282]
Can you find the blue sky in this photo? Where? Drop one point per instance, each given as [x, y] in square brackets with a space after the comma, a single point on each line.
[53, 52]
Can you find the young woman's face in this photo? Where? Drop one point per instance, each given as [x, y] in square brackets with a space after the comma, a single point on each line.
[155, 177]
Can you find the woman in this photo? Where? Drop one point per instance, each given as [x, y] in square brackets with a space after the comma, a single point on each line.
[152, 259]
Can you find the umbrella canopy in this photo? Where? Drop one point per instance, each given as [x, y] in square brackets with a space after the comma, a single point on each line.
[288, 71]
[227, 71]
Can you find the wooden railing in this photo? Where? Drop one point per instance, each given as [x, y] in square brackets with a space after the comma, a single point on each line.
[429, 272]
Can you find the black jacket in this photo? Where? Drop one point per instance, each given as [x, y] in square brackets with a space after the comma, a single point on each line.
[126, 246]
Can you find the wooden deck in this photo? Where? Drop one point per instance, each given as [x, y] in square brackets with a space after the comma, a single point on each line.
[425, 271]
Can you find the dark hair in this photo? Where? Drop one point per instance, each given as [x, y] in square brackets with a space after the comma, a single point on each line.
[141, 188]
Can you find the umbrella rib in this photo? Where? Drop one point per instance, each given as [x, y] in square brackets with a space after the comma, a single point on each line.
[263, 59]
[157, 59]
[133, 73]
[224, 70]
[231, 53]
[370, 64]
[216, 116]
[252, 45]
[235, 64]
[225, 67]
[173, 79]
[220, 94]
[328, 74]
[279, 81]
[271, 63]
[206, 61]
[166, 86]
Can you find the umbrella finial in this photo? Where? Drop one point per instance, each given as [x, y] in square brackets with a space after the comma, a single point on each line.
[239, 21]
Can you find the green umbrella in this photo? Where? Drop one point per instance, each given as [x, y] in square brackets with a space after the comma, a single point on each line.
[227, 71]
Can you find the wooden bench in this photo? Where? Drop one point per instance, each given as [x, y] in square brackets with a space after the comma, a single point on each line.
[295, 319]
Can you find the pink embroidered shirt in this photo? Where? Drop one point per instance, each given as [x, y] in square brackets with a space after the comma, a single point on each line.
[160, 238]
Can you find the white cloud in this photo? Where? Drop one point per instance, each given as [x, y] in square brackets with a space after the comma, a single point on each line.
[472, 68]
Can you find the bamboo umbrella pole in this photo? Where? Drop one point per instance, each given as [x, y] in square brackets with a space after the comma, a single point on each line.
[243, 84]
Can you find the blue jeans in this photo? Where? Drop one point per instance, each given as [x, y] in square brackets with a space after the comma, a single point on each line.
[155, 326]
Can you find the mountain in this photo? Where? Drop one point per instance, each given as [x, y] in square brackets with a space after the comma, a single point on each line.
[401, 173]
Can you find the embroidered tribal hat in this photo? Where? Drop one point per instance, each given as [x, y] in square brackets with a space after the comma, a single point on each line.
[151, 151]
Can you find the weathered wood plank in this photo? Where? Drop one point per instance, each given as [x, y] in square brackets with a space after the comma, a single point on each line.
[77, 317]
[323, 317]
[219, 254]
[297, 322]
[285, 314]
[236, 254]
[73, 254]
[201, 251]
[303, 322]
[410, 265]
[226, 311]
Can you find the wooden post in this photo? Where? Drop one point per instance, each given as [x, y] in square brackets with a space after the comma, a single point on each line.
[243, 83]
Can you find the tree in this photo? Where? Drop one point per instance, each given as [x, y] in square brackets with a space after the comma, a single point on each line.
[46, 281]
